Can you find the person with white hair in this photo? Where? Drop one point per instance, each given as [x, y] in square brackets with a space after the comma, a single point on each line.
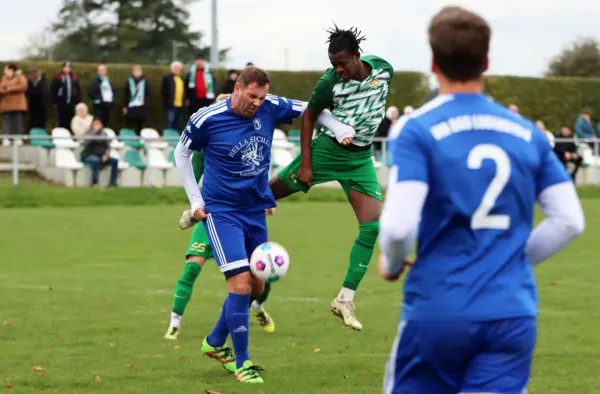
[391, 115]
[173, 94]
[82, 121]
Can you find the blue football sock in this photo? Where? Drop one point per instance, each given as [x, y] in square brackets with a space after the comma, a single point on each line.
[218, 335]
[238, 319]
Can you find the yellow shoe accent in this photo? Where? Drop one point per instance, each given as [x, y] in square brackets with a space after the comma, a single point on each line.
[346, 311]
[248, 373]
[172, 333]
[265, 321]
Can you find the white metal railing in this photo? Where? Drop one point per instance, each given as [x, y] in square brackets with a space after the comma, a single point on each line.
[379, 145]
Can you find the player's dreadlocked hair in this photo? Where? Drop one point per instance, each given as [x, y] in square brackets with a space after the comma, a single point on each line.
[349, 40]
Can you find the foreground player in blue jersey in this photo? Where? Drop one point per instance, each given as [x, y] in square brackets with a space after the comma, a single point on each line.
[470, 172]
[235, 135]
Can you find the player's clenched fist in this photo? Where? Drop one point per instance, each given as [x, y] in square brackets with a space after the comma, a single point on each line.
[385, 274]
[200, 214]
[305, 175]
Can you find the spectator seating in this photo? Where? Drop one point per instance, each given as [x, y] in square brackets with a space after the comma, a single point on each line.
[41, 142]
[173, 136]
[128, 140]
[114, 142]
[62, 138]
[152, 139]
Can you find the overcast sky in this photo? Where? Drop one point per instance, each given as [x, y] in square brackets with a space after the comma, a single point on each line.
[526, 33]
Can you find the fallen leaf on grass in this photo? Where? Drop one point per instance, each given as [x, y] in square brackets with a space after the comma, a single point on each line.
[366, 374]
[211, 392]
[317, 350]
[130, 366]
[179, 359]
[8, 386]
[293, 344]
[311, 310]
[177, 347]
[112, 344]
[8, 323]
[97, 379]
[37, 368]
[553, 284]
[59, 337]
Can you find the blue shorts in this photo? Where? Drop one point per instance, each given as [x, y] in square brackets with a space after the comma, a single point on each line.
[233, 237]
[492, 357]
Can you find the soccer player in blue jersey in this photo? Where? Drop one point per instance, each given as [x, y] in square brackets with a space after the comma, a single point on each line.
[235, 135]
[465, 178]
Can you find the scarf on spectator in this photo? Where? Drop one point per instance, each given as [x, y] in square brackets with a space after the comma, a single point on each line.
[137, 92]
[208, 80]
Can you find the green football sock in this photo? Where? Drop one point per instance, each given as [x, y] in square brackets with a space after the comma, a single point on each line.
[265, 294]
[361, 254]
[185, 285]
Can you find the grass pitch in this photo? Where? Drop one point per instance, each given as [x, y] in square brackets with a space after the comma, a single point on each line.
[85, 296]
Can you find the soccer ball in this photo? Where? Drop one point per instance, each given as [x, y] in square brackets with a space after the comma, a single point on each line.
[269, 262]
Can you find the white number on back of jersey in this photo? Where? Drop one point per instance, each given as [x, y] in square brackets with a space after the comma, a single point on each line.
[481, 218]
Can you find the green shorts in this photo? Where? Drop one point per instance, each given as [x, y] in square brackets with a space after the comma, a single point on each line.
[354, 170]
[199, 244]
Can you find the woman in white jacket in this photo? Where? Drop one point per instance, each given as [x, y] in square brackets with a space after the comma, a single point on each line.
[82, 121]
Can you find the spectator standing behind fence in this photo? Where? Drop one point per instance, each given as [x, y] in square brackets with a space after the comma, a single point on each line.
[82, 121]
[584, 127]
[38, 90]
[102, 94]
[566, 151]
[391, 115]
[65, 93]
[200, 85]
[12, 102]
[229, 84]
[137, 93]
[541, 127]
[95, 153]
[173, 95]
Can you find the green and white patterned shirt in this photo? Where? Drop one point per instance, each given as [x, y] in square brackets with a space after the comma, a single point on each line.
[359, 104]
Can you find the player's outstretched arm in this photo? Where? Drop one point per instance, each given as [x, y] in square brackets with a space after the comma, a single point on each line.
[184, 165]
[309, 118]
[564, 221]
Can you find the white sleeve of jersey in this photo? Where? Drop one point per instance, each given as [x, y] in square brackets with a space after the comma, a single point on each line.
[564, 221]
[400, 218]
[183, 160]
[341, 130]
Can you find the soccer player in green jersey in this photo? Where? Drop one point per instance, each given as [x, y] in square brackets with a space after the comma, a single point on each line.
[199, 250]
[355, 90]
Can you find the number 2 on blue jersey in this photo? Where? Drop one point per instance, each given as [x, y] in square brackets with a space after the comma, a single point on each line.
[481, 219]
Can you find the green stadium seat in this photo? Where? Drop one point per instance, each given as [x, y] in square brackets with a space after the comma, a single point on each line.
[134, 159]
[295, 133]
[171, 133]
[135, 144]
[172, 157]
[40, 142]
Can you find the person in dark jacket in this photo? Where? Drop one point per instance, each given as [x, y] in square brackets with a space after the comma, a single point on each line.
[173, 95]
[229, 83]
[566, 151]
[200, 85]
[102, 94]
[38, 90]
[65, 94]
[95, 153]
[136, 95]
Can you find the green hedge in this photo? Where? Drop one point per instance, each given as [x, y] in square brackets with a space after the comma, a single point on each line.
[556, 101]
[407, 88]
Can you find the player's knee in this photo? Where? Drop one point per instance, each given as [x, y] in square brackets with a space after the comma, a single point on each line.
[240, 283]
[367, 233]
[196, 259]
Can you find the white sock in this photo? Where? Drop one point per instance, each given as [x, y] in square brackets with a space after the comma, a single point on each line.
[175, 320]
[256, 307]
[346, 294]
